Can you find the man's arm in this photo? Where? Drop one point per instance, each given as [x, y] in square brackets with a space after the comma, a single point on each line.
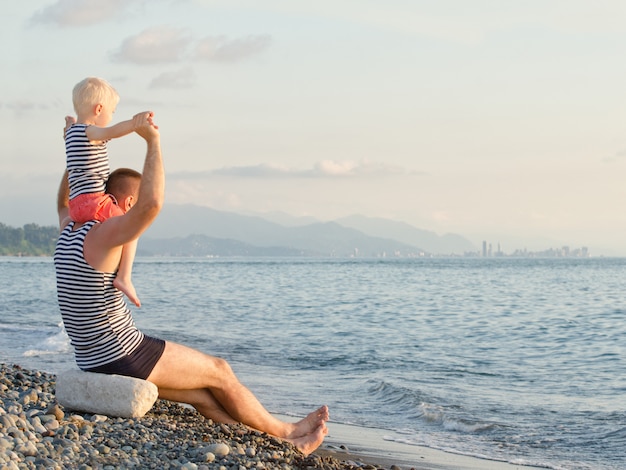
[104, 241]
[63, 199]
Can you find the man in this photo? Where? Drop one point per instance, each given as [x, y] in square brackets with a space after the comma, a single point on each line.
[101, 328]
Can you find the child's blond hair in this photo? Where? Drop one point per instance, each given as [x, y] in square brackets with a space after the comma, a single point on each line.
[92, 91]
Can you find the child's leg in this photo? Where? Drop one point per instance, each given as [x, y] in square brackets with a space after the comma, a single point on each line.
[123, 279]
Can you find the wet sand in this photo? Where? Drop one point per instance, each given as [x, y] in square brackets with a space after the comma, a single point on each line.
[369, 446]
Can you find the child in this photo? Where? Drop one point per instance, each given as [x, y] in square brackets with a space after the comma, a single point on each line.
[87, 163]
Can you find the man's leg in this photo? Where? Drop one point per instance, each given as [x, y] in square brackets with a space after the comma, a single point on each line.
[202, 400]
[209, 384]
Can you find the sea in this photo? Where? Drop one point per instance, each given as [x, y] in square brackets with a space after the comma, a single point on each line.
[520, 360]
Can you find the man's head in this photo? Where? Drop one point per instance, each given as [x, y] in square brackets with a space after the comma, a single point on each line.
[123, 184]
[95, 97]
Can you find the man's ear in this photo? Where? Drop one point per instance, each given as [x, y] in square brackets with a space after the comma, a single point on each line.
[129, 202]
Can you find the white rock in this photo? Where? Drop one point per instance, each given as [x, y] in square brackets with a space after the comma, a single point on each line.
[52, 425]
[219, 449]
[28, 449]
[112, 395]
[37, 426]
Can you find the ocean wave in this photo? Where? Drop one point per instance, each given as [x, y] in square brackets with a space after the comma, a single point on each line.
[417, 407]
[437, 414]
[56, 342]
[396, 399]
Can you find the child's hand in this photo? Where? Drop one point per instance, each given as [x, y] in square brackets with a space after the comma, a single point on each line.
[149, 115]
[151, 120]
[144, 126]
[69, 121]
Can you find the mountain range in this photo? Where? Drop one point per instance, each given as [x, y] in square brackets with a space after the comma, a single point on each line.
[190, 230]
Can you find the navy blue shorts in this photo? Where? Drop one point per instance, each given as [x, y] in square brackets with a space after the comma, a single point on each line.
[139, 364]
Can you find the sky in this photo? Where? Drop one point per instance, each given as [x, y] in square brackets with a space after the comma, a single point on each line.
[498, 120]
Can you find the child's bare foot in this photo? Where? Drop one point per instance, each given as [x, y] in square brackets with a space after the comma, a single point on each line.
[310, 423]
[308, 443]
[128, 289]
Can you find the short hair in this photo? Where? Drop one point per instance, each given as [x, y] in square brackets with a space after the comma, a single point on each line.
[92, 91]
[123, 182]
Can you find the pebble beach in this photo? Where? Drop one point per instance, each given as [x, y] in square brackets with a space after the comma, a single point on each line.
[36, 433]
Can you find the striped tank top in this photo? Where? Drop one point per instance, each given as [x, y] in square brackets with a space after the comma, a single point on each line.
[95, 315]
[87, 164]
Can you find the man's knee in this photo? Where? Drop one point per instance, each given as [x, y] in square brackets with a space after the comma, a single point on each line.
[223, 367]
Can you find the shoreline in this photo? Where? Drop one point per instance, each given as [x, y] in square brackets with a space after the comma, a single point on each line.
[350, 443]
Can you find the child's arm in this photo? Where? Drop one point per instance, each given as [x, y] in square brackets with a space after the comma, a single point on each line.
[98, 134]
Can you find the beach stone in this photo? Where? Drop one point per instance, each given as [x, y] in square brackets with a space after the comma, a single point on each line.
[52, 425]
[55, 410]
[111, 395]
[37, 426]
[219, 449]
[6, 444]
[6, 421]
[98, 418]
[26, 448]
[29, 397]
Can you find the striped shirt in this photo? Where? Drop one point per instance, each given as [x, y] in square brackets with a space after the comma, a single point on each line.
[87, 163]
[95, 315]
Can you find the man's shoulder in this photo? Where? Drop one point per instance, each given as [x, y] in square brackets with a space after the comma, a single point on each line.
[101, 231]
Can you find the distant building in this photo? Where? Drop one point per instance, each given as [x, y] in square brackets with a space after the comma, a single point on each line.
[562, 252]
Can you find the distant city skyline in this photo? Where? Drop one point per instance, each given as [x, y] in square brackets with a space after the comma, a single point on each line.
[496, 121]
[561, 252]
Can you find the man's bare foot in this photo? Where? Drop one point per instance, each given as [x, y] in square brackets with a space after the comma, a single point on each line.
[308, 443]
[310, 423]
[128, 289]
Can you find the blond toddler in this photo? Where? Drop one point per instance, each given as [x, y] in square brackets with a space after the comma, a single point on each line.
[88, 168]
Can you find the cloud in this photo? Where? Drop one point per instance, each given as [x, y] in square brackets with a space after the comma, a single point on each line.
[24, 107]
[618, 156]
[256, 171]
[178, 79]
[82, 12]
[222, 49]
[322, 169]
[156, 45]
[164, 44]
[349, 168]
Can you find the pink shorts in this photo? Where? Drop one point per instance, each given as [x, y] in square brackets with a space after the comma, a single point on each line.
[94, 206]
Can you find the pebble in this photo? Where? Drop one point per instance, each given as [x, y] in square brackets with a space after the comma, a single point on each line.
[36, 432]
[219, 449]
